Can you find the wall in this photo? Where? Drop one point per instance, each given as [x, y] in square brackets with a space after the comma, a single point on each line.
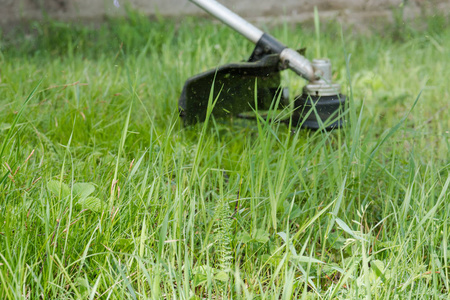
[348, 11]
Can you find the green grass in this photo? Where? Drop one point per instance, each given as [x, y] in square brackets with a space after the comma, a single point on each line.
[104, 195]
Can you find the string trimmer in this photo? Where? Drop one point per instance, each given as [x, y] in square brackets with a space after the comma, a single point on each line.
[256, 84]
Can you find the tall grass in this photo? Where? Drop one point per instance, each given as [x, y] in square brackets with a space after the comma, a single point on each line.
[104, 195]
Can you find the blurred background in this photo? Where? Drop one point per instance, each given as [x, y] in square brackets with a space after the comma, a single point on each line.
[360, 12]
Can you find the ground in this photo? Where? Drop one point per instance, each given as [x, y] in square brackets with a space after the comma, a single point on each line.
[105, 195]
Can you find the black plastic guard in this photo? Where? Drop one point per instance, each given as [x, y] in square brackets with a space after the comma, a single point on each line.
[234, 85]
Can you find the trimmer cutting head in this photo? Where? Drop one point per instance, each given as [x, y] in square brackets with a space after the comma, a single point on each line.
[321, 102]
[256, 85]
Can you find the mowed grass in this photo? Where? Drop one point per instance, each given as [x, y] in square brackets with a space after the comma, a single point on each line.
[105, 195]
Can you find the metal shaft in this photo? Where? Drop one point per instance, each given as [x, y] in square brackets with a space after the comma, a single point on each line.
[289, 57]
[230, 18]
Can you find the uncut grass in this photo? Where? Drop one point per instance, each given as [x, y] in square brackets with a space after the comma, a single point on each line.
[220, 210]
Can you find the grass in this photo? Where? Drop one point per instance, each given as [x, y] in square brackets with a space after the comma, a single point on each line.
[104, 195]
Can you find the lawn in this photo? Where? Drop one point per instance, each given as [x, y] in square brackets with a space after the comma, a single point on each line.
[104, 194]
